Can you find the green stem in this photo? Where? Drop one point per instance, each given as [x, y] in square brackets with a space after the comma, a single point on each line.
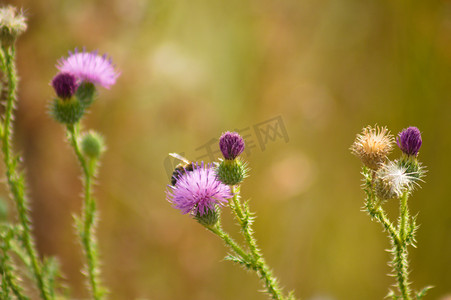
[400, 251]
[259, 265]
[404, 216]
[236, 202]
[6, 269]
[3, 59]
[15, 180]
[382, 218]
[245, 220]
[87, 232]
[257, 262]
[217, 229]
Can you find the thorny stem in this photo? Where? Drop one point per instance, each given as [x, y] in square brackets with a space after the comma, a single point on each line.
[236, 203]
[400, 253]
[398, 237]
[382, 218]
[6, 271]
[15, 179]
[87, 232]
[404, 215]
[246, 221]
[217, 229]
[257, 262]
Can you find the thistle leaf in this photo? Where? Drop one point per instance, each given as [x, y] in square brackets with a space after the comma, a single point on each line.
[423, 292]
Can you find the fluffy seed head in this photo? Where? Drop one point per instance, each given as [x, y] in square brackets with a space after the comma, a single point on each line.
[409, 141]
[372, 146]
[197, 192]
[90, 67]
[393, 180]
[65, 85]
[231, 144]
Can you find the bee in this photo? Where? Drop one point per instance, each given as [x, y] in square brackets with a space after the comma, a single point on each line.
[182, 168]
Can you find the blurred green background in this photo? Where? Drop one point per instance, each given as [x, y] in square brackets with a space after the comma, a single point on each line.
[193, 69]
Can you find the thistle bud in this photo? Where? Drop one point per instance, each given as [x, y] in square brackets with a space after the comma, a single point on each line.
[68, 111]
[12, 24]
[209, 218]
[372, 146]
[231, 145]
[65, 85]
[92, 145]
[412, 166]
[409, 141]
[86, 93]
[231, 172]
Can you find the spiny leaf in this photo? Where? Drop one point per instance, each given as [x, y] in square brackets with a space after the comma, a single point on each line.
[391, 294]
[423, 292]
[411, 231]
[239, 261]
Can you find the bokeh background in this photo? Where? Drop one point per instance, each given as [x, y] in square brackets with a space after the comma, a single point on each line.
[193, 69]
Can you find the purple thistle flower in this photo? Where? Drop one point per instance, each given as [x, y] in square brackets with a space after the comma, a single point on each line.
[90, 67]
[65, 85]
[231, 145]
[409, 141]
[198, 191]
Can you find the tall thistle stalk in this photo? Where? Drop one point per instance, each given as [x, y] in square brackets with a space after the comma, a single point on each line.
[200, 190]
[386, 180]
[86, 224]
[11, 26]
[75, 87]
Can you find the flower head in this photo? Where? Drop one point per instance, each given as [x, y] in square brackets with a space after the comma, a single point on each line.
[65, 85]
[197, 192]
[231, 145]
[409, 141]
[12, 24]
[372, 146]
[90, 67]
[393, 179]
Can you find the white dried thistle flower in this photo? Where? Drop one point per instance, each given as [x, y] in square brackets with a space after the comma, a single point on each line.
[393, 180]
[372, 146]
[12, 24]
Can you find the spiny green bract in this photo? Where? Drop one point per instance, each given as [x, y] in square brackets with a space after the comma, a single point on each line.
[210, 218]
[67, 111]
[232, 172]
[413, 167]
[86, 93]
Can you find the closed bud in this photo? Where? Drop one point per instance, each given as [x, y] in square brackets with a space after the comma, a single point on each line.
[409, 141]
[209, 218]
[231, 172]
[92, 145]
[231, 145]
[68, 111]
[65, 85]
[86, 93]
